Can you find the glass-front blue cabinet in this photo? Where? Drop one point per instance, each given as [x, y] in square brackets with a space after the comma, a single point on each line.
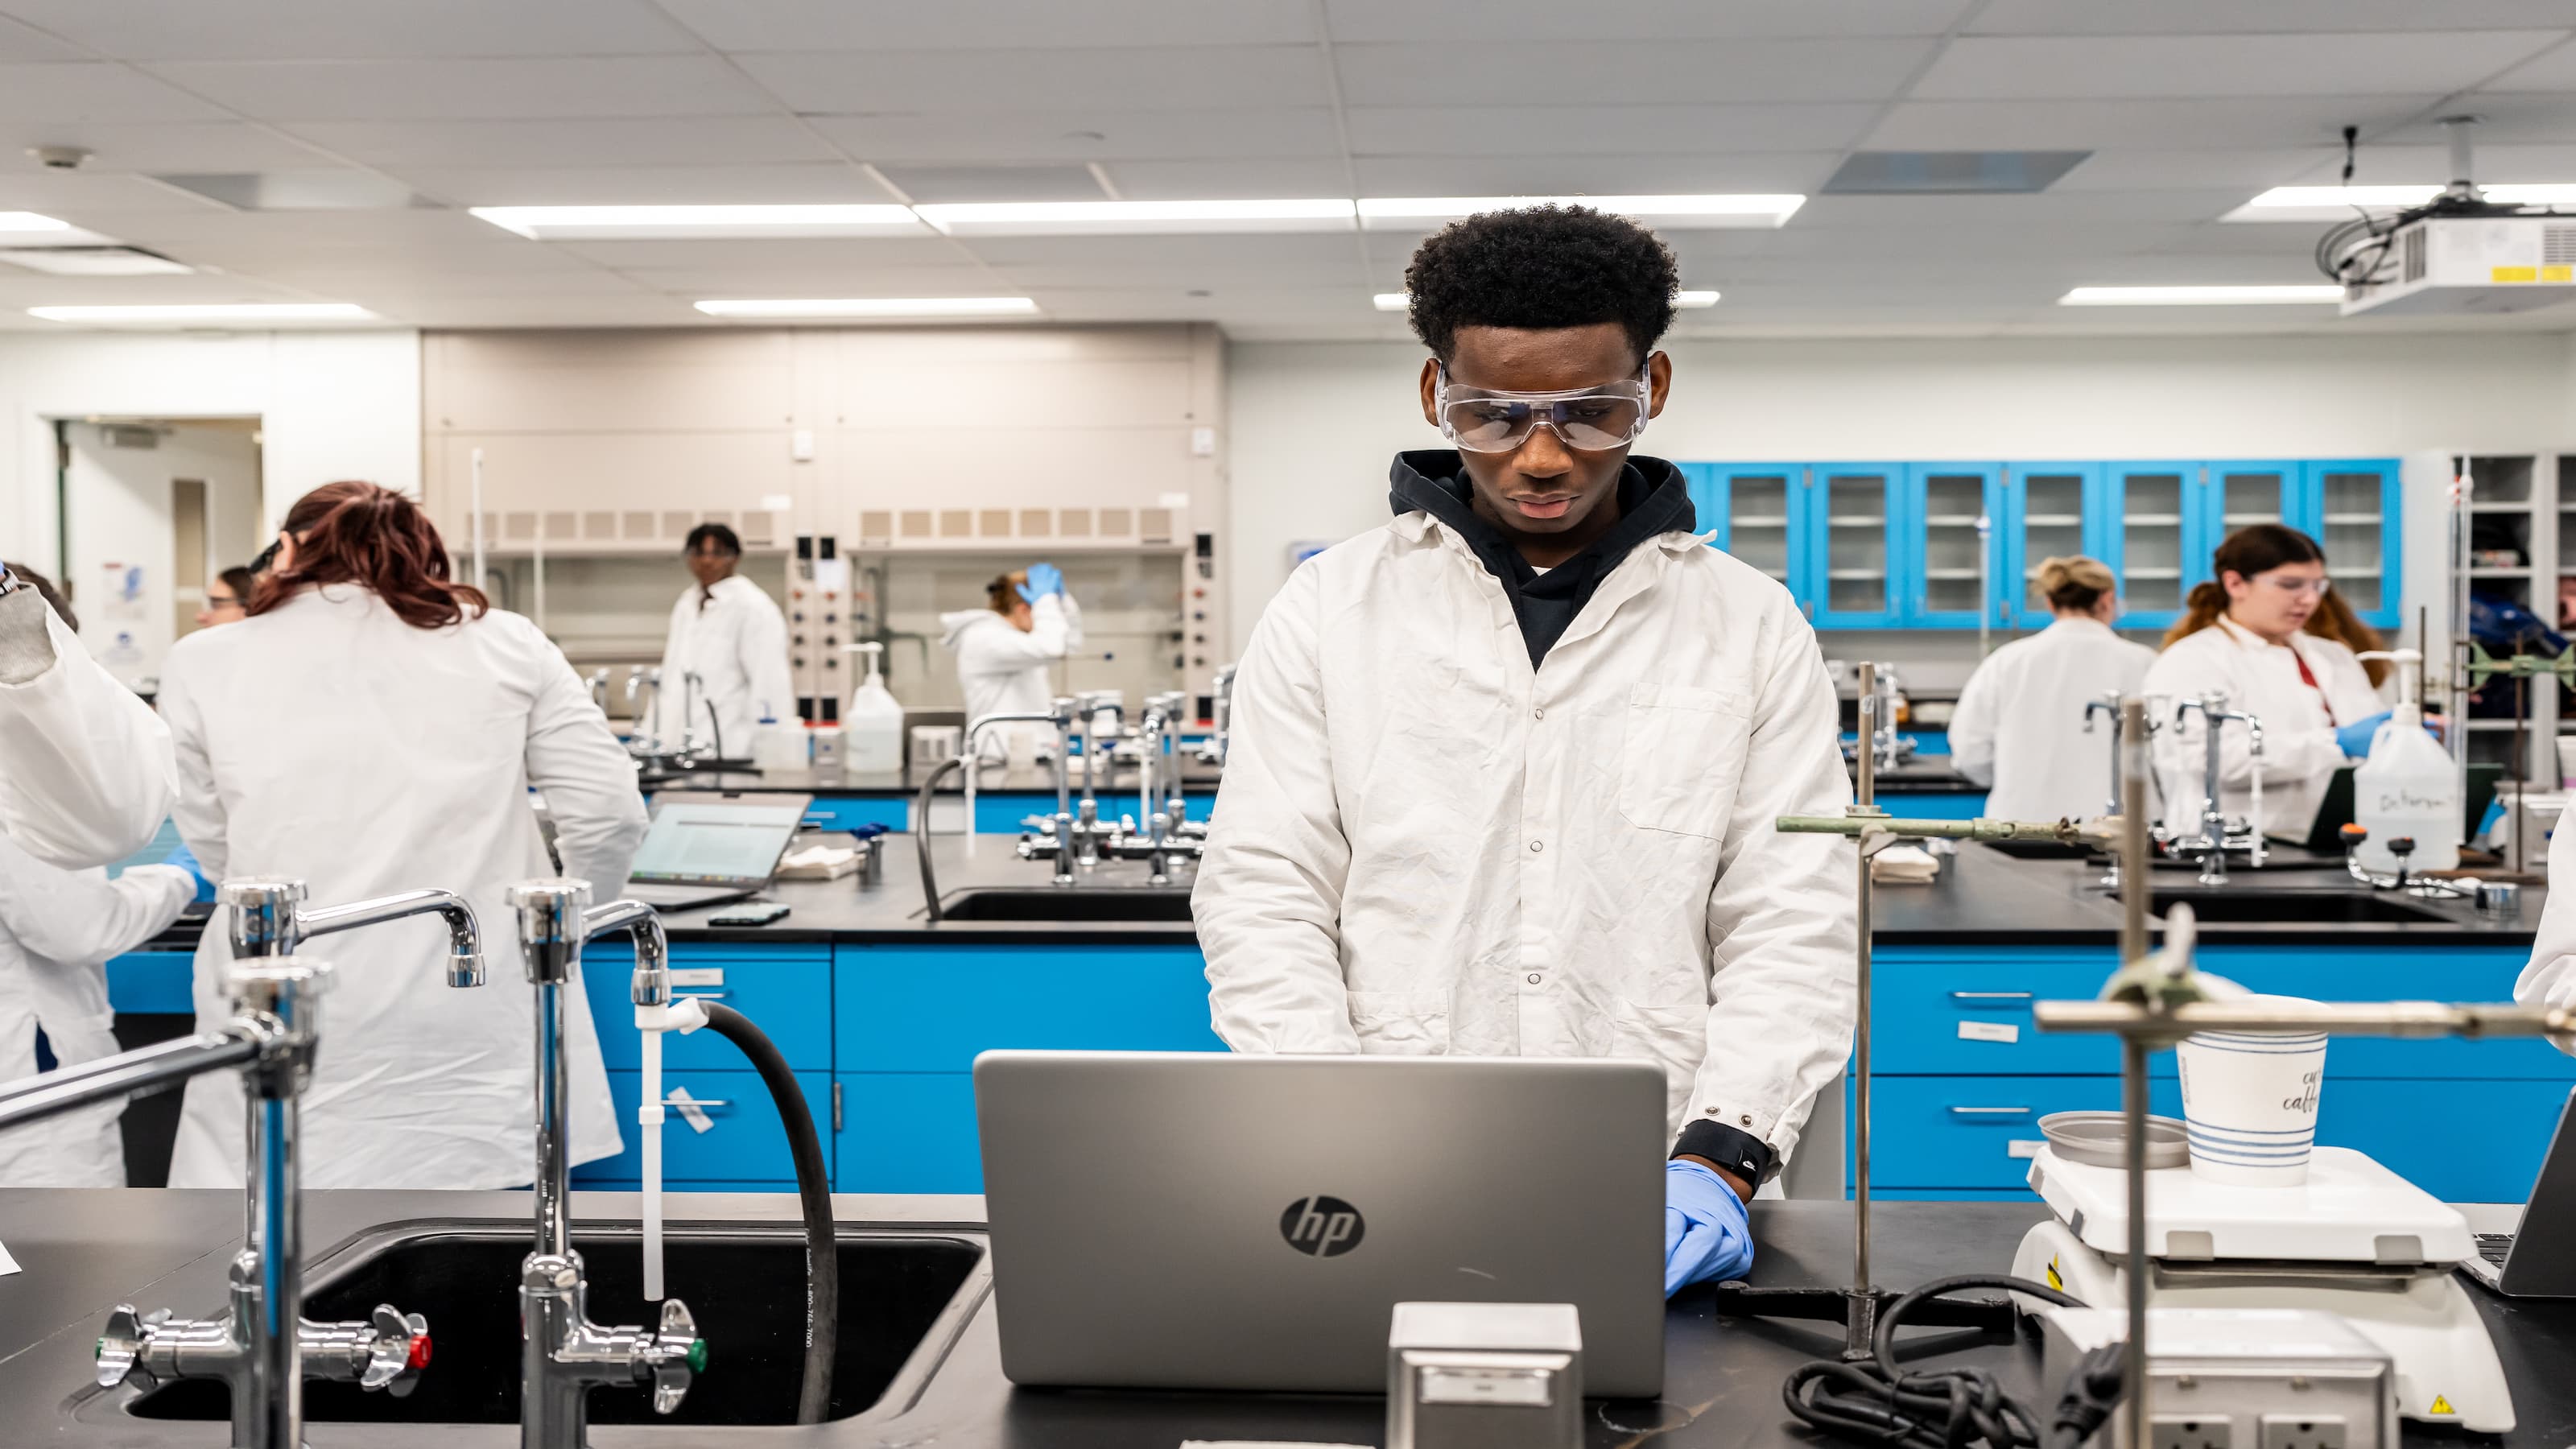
[2051, 510]
[2353, 507]
[1752, 513]
[1854, 544]
[1953, 510]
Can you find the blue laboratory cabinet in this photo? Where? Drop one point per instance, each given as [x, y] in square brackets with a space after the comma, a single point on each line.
[1896, 545]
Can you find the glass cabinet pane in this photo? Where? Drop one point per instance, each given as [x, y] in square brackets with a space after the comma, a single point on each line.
[2151, 564]
[1856, 543]
[2052, 526]
[1757, 522]
[2249, 498]
[2353, 533]
[1952, 503]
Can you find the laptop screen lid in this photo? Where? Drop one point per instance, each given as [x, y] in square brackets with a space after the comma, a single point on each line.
[700, 838]
[1200, 1220]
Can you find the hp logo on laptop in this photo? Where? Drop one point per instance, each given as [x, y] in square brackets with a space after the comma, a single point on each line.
[1322, 1227]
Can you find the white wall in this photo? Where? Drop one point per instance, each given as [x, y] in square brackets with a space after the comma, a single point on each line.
[334, 405]
[1315, 424]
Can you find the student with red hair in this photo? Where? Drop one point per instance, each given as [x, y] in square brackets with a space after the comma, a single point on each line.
[375, 726]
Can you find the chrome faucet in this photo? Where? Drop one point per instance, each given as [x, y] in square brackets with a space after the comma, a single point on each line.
[2211, 843]
[1088, 828]
[1060, 717]
[642, 740]
[1213, 751]
[691, 684]
[275, 999]
[563, 1355]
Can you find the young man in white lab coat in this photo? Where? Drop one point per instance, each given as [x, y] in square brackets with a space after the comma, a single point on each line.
[1504, 771]
[86, 773]
[730, 634]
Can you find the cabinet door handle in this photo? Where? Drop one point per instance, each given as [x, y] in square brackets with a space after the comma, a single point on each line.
[1990, 1111]
[1979, 998]
[712, 1103]
[704, 995]
[836, 1106]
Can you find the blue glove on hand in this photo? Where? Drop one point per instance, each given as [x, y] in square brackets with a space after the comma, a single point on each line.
[1705, 1234]
[1044, 579]
[186, 860]
[2354, 738]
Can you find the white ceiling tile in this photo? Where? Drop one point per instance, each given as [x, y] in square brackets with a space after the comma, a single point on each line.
[2504, 118]
[19, 42]
[1897, 216]
[853, 279]
[498, 89]
[977, 82]
[1676, 175]
[775, 254]
[2250, 169]
[2225, 17]
[402, 284]
[1603, 130]
[2097, 125]
[642, 309]
[789, 25]
[204, 146]
[75, 196]
[1244, 133]
[2552, 71]
[86, 91]
[354, 29]
[1649, 20]
[1248, 252]
[632, 141]
[2131, 66]
[2406, 165]
[1670, 72]
[832, 181]
[1230, 179]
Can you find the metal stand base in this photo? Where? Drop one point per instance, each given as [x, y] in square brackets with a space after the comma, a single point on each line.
[1858, 1311]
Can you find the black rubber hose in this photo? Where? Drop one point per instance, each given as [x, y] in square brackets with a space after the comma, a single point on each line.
[921, 831]
[1877, 1402]
[814, 1191]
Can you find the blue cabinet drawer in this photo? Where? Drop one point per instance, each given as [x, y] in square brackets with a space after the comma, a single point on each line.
[849, 812]
[744, 1142]
[787, 995]
[2399, 973]
[2460, 1141]
[1966, 1010]
[908, 1132]
[1007, 812]
[934, 1008]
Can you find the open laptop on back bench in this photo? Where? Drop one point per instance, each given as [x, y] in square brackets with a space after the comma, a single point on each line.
[2538, 1259]
[704, 847]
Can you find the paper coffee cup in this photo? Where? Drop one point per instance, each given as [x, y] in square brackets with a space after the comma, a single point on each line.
[2249, 1101]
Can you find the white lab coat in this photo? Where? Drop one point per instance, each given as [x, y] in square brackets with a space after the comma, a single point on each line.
[1004, 671]
[2299, 751]
[1424, 846]
[2019, 729]
[85, 773]
[2550, 979]
[57, 930]
[738, 646]
[328, 741]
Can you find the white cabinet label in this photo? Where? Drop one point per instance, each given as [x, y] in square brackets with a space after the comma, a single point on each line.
[2003, 1031]
[689, 1110]
[697, 976]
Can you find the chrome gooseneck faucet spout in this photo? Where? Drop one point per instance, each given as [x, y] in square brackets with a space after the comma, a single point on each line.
[563, 1355]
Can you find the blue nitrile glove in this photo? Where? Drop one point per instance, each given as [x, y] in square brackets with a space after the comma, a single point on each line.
[2354, 738]
[1705, 1234]
[186, 860]
[1044, 579]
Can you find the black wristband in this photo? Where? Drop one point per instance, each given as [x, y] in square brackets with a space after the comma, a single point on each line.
[1741, 1153]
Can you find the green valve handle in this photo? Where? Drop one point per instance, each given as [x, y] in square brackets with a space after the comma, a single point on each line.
[697, 1356]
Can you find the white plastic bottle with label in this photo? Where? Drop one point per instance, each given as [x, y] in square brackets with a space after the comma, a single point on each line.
[777, 745]
[873, 720]
[2409, 787]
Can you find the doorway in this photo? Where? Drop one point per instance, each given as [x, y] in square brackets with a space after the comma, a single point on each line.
[153, 511]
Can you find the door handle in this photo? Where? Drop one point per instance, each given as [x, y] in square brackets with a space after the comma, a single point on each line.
[1990, 1111]
[1981, 998]
[704, 995]
[712, 1103]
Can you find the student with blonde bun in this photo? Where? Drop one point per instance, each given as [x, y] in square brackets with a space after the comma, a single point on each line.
[2019, 728]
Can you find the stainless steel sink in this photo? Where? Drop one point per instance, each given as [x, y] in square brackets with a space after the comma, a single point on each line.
[2256, 904]
[1069, 903]
[904, 1299]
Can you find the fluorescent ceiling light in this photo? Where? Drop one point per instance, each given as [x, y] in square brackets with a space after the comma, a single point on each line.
[1399, 301]
[2339, 203]
[2311, 294]
[612, 223]
[874, 307]
[28, 221]
[1135, 218]
[1398, 213]
[92, 261]
[211, 312]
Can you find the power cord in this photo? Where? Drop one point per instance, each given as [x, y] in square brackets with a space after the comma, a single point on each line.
[1880, 1403]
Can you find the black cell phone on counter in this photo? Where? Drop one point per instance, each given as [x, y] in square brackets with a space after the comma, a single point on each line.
[760, 914]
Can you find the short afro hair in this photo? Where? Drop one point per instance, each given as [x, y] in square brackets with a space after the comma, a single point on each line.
[1541, 267]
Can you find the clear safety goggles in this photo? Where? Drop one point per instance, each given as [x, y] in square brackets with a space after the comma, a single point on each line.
[1496, 420]
[2296, 587]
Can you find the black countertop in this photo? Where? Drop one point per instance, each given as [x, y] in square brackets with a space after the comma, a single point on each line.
[1983, 897]
[85, 1251]
[883, 784]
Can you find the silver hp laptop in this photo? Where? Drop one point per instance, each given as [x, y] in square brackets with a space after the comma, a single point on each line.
[704, 847]
[1196, 1220]
[2537, 1260]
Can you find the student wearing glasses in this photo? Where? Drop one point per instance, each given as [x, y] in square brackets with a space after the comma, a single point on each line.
[1504, 771]
[2244, 632]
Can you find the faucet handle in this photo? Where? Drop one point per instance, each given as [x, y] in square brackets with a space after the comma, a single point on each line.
[119, 1351]
[676, 1356]
[397, 1354]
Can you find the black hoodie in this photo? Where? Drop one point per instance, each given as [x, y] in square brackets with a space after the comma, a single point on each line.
[1652, 500]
